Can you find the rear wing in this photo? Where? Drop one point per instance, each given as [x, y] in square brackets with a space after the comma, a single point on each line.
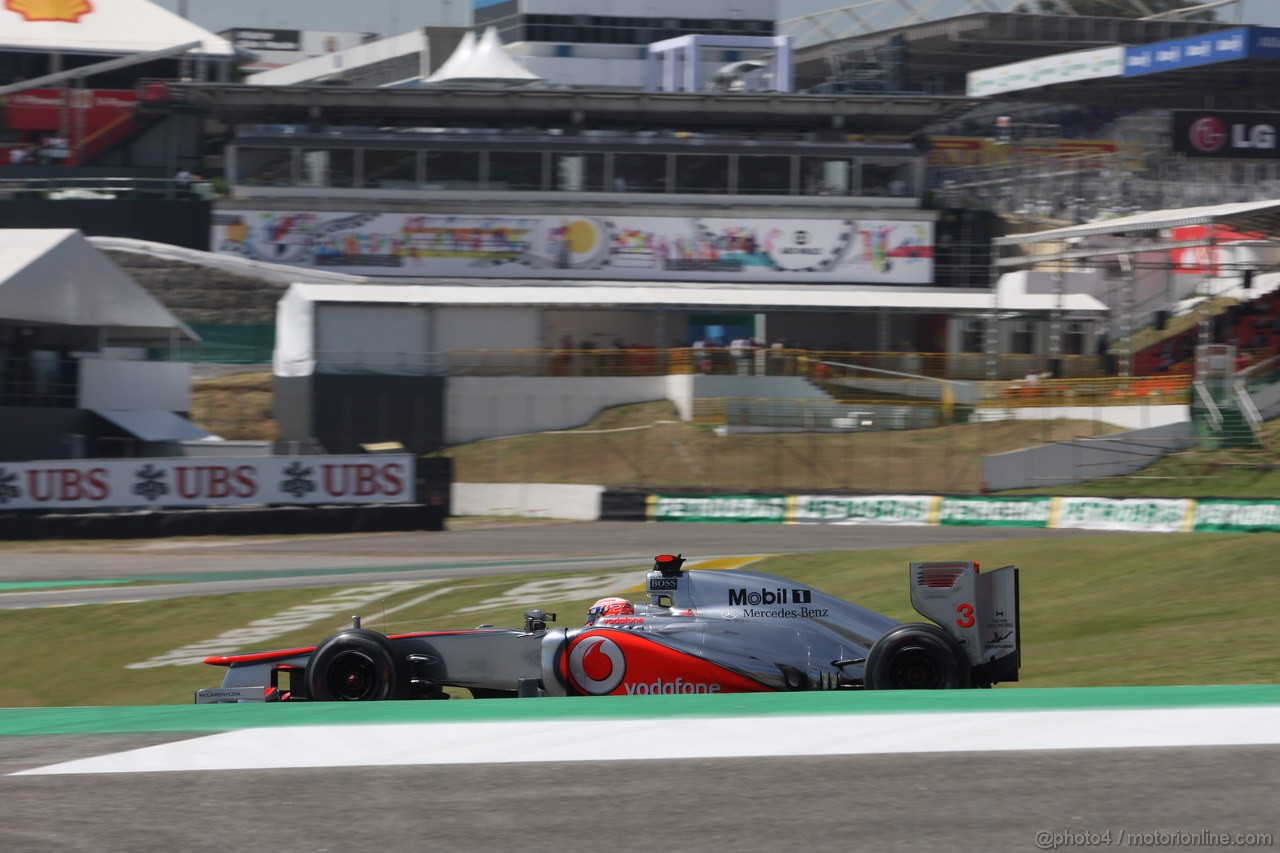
[979, 609]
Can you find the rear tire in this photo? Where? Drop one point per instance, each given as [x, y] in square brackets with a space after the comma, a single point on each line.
[916, 656]
[355, 666]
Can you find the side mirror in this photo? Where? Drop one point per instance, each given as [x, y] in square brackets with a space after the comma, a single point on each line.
[536, 620]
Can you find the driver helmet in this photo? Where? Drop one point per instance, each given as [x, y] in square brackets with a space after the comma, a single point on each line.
[609, 607]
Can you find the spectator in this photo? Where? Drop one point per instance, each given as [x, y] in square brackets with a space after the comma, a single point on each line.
[740, 352]
[183, 179]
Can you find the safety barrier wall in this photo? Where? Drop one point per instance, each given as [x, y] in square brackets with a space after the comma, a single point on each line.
[1154, 515]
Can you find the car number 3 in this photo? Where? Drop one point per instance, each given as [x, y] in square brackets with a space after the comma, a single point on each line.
[965, 619]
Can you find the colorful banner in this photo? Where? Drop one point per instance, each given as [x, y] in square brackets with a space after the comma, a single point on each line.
[1046, 70]
[908, 510]
[767, 509]
[1237, 516]
[645, 248]
[1203, 260]
[1154, 515]
[995, 512]
[42, 109]
[205, 481]
[958, 151]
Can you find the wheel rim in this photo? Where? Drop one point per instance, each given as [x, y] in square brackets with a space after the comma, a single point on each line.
[354, 676]
[916, 669]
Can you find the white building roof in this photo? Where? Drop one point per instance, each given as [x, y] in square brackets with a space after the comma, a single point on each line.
[53, 275]
[102, 26]
[612, 294]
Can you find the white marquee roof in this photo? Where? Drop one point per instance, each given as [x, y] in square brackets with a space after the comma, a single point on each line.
[53, 275]
[101, 26]
[485, 59]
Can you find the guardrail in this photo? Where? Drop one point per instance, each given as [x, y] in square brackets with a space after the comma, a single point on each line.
[1094, 391]
[819, 365]
[106, 188]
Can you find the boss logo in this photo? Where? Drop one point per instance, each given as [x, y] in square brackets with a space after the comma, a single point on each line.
[777, 595]
[660, 584]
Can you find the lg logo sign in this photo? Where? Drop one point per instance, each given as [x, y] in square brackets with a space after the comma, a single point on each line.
[1210, 135]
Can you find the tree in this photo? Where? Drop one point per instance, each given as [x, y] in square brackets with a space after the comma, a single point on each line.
[1114, 8]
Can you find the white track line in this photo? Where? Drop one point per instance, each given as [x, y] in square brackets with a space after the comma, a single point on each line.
[656, 738]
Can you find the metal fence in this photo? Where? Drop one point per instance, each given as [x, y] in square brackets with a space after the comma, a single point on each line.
[710, 361]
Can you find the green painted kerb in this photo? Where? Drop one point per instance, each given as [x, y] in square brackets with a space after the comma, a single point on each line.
[215, 718]
[28, 586]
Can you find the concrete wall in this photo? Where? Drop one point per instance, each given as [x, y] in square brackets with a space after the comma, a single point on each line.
[1126, 417]
[529, 500]
[135, 385]
[1084, 459]
[479, 407]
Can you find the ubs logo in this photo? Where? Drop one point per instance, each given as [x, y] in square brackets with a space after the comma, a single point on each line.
[1208, 134]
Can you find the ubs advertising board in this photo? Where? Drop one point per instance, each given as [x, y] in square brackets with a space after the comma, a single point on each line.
[206, 481]
[639, 248]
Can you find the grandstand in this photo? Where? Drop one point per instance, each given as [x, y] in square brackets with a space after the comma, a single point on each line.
[851, 225]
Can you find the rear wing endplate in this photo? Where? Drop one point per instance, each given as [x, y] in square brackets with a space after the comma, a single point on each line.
[980, 609]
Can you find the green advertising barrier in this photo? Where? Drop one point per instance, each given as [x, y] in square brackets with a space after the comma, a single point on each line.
[995, 512]
[1149, 515]
[759, 509]
[862, 509]
[1237, 516]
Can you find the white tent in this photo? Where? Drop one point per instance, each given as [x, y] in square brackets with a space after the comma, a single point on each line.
[55, 276]
[457, 59]
[101, 26]
[483, 61]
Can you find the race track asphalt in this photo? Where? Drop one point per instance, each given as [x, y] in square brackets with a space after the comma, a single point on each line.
[932, 802]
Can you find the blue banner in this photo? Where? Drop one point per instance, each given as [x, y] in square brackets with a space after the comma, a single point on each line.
[1190, 52]
[1264, 42]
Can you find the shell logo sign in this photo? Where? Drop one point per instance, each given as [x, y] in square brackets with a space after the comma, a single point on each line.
[68, 11]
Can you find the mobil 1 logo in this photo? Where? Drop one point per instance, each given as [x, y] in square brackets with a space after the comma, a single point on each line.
[770, 595]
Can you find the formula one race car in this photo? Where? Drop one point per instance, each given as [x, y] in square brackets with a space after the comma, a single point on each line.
[700, 632]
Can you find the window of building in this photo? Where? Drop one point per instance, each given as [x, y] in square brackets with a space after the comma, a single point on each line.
[764, 175]
[702, 173]
[1024, 337]
[578, 172]
[640, 173]
[264, 167]
[453, 170]
[973, 335]
[515, 170]
[328, 167]
[887, 179]
[1073, 340]
[390, 169]
[825, 176]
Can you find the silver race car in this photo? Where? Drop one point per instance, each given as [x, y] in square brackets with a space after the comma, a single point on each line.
[699, 632]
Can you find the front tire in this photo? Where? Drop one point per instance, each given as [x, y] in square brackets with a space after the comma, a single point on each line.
[916, 656]
[355, 666]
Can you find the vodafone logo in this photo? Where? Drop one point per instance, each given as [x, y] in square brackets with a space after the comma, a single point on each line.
[597, 665]
[1207, 134]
